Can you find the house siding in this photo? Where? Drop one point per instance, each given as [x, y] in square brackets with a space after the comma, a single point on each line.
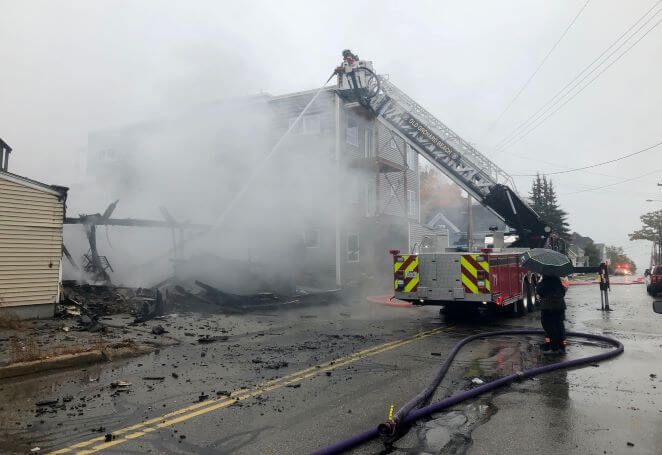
[30, 244]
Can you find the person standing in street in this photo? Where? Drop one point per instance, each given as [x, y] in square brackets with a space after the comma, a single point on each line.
[551, 293]
[605, 287]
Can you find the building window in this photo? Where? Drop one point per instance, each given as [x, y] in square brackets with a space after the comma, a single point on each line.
[370, 202]
[352, 133]
[355, 192]
[367, 144]
[311, 238]
[109, 155]
[352, 247]
[298, 128]
[412, 158]
[312, 124]
[308, 124]
[411, 202]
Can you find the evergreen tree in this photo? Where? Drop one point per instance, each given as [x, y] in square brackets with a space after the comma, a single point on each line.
[545, 203]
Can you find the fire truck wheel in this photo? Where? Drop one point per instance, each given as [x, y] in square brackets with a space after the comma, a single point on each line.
[530, 297]
[520, 307]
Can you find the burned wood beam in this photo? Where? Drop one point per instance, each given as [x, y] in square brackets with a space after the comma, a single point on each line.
[136, 222]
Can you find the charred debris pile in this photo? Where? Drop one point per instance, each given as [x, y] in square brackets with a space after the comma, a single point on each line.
[202, 283]
[180, 294]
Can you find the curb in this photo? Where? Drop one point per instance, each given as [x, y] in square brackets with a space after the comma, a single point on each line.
[69, 360]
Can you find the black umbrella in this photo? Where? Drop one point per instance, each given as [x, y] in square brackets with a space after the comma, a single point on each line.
[547, 262]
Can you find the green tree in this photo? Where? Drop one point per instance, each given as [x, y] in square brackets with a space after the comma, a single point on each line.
[617, 256]
[545, 203]
[651, 231]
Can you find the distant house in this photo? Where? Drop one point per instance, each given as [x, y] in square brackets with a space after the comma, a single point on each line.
[31, 219]
[602, 250]
[582, 242]
[456, 221]
[577, 256]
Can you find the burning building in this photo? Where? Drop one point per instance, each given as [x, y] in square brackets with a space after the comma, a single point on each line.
[323, 209]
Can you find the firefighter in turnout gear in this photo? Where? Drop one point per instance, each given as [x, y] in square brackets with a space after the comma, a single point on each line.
[605, 287]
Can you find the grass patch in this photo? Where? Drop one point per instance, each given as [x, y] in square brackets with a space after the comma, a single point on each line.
[10, 321]
[27, 350]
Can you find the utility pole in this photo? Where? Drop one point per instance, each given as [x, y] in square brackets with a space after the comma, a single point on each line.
[338, 146]
[470, 227]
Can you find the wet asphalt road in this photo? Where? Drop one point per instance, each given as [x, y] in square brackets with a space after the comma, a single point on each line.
[377, 360]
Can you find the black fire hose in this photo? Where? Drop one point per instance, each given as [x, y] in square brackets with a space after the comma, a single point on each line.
[408, 414]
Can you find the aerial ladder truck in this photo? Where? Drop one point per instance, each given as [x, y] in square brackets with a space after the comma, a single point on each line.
[489, 278]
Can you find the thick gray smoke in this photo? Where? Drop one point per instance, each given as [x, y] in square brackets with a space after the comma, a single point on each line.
[196, 164]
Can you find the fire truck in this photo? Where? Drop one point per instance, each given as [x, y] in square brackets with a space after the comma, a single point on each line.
[465, 280]
[487, 277]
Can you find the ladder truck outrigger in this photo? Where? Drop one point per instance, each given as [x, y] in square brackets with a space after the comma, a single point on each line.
[491, 278]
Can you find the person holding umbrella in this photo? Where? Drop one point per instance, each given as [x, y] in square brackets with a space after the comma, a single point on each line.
[551, 265]
[552, 313]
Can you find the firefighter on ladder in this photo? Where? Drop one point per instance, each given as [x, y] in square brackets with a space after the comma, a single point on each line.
[603, 274]
[349, 62]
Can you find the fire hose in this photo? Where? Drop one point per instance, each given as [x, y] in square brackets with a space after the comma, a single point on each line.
[417, 407]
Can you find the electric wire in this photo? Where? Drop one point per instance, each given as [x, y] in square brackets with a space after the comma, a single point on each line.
[535, 72]
[550, 114]
[561, 93]
[613, 184]
[564, 90]
[592, 165]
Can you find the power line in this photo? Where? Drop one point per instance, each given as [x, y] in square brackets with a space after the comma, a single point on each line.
[562, 92]
[614, 184]
[534, 127]
[528, 81]
[593, 165]
[551, 163]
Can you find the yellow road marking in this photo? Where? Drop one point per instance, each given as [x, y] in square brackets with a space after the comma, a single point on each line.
[189, 412]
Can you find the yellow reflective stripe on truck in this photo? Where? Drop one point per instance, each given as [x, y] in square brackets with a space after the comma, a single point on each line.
[469, 267]
[407, 265]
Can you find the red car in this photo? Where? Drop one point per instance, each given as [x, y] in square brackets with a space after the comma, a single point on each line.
[654, 280]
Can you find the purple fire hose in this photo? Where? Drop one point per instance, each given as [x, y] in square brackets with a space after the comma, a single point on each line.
[407, 415]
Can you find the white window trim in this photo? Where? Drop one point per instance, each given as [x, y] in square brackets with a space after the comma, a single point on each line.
[304, 125]
[358, 250]
[368, 143]
[355, 188]
[352, 142]
[370, 204]
[411, 203]
[412, 158]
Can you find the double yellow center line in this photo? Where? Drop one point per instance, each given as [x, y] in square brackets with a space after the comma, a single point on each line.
[166, 420]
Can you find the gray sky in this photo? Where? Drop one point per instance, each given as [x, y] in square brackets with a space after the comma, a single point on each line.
[71, 67]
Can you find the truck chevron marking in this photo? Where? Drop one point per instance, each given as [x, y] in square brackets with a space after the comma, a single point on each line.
[405, 268]
[470, 268]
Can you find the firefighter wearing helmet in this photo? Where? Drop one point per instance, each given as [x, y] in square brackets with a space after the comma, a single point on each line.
[349, 57]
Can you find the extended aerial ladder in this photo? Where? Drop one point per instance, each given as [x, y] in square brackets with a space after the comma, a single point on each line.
[446, 150]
